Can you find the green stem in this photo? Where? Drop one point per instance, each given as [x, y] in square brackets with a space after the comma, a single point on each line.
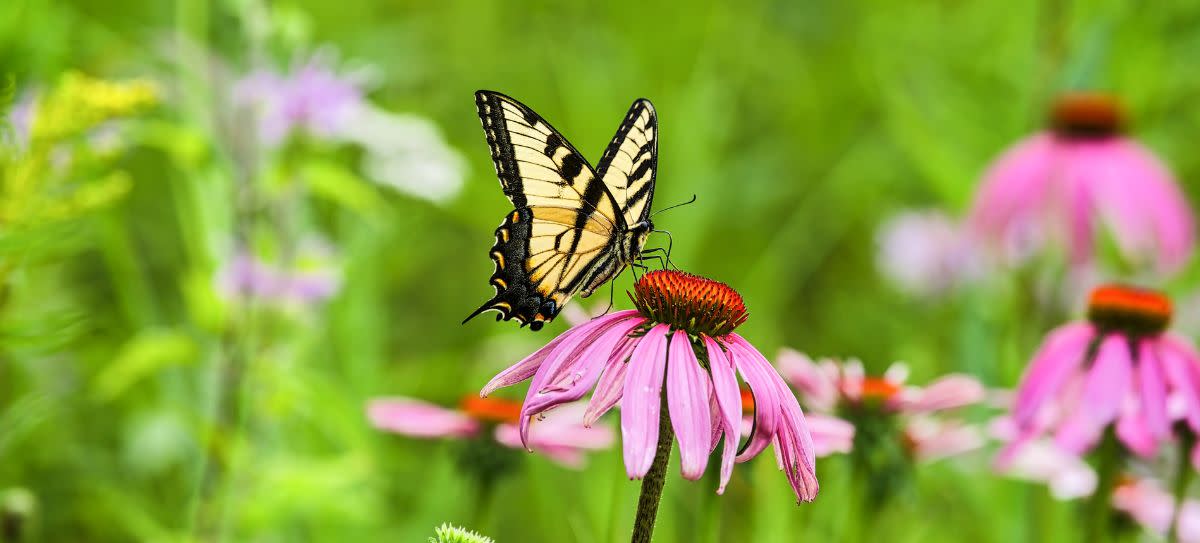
[652, 483]
[1183, 477]
[1099, 526]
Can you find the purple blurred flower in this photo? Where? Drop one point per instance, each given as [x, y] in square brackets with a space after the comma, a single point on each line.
[1059, 185]
[312, 279]
[926, 253]
[559, 435]
[20, 117]
[312, 99]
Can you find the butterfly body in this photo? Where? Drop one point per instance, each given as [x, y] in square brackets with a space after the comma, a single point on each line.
[573, 228]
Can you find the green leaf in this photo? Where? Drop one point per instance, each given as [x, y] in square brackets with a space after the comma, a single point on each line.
[145, 354]
[332, 181]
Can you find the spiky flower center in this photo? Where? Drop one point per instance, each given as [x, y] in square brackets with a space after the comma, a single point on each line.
[689, 302]
[1129, 309]
[1085, 115]
[494, 410]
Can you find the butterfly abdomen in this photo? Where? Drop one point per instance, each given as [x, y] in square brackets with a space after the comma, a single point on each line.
[516, 296]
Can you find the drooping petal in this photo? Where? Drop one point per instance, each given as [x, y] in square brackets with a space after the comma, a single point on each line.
[766, 397]
[566, 358]
[641, 401]
[688, 391]
[611, 383]
[525, 368]
[1133, 433]
[729, 400]
[1104, 390]
[1181, 367]
[1152, 391]
[419, 419]
[1060, 356]
[572, 345]
[794, 446]
[572, 384]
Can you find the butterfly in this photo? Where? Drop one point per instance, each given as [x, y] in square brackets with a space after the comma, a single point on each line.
[574, 227]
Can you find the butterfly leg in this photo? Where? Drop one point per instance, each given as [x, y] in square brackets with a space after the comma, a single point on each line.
[661, 263]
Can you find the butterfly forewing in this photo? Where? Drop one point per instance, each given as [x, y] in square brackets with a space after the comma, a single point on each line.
[630, 163]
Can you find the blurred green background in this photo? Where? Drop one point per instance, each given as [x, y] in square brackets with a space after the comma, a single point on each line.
[138, 403]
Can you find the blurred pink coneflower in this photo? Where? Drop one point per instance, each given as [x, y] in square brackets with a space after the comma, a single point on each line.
[559, 436]
[1121, 366]
[681, 337]
[1060, 184]
[846, 390]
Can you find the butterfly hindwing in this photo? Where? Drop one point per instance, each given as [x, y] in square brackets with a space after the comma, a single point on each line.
[566, 233]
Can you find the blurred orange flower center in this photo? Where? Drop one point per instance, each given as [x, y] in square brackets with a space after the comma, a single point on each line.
[747, 401]
[1131, 309]
[1086, 114]
[491, 409]
[880, 389]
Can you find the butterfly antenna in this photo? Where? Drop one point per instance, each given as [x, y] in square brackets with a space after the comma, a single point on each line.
[692, 201]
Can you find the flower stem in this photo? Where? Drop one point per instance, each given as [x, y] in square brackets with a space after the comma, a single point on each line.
[1183, 477]
[1099, 512]
[652, 483]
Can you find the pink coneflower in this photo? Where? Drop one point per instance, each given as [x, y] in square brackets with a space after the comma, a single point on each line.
[1060, 184]
[1121, 366]
[845, 390]
[559, 436]
[680, 338]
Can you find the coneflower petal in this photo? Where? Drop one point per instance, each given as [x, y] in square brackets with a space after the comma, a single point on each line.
[729, 400]
[582, 372]
[1106, 384]
[563, 358]
[766, 400]
[641, 401]
[688, 390]
[581, 336]
[611, 384]
[1060, 356]
[1152, 391]
[524, 369]
[1182, 368]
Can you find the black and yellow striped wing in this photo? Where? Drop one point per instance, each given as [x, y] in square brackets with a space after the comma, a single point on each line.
[630, 163]
[563, 234]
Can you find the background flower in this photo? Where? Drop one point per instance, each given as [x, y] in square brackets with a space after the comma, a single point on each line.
[1080, 176]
